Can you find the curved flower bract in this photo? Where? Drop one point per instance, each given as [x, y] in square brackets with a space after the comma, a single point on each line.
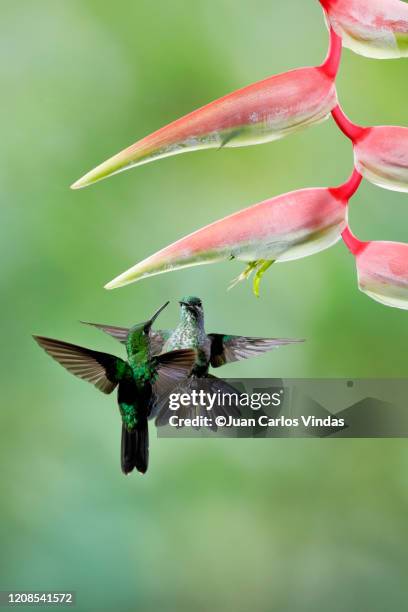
[290, 226]
[374, 28]
[382, 269]
[382, 157]
[262, 112]
[380, 152]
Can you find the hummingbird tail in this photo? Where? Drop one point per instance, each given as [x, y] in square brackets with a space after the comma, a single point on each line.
[135, 449]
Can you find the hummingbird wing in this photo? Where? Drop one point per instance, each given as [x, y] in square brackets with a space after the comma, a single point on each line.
[171, 368]
[210, 385]
[157, 338]
[226, 348]
[100, 369]
[119, 333]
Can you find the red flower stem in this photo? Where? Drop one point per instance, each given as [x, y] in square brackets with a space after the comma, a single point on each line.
[325, 3]
[331, 64]
[346, 191]
[354, 245]
[350, 129]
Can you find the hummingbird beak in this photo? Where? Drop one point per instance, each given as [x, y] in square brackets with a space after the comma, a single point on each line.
[156, 314]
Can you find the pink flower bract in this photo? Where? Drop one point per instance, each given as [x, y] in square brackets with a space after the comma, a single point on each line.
[382, 269]
[380, 152]
[374, 28]
[259, 113]
[290, 226]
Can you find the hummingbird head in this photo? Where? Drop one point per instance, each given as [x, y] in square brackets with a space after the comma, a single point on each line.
[138, 339]
[192, 308]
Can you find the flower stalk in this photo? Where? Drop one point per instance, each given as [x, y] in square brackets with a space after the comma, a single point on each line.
[304, 222]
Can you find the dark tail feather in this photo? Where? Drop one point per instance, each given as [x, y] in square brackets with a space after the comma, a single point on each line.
[142, 448]
[135, 449]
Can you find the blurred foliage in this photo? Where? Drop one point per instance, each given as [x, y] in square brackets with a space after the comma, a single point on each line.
[227, 524]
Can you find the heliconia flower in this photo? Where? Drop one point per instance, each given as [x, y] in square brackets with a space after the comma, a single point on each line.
[382, 269]
[380, 153]
[374, 28]
[259, 113]
[290, 226]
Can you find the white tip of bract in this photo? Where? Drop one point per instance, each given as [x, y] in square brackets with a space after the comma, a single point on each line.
[120, 281]
[141, 270]
[88, 179]
[79, 184]
[108, 168]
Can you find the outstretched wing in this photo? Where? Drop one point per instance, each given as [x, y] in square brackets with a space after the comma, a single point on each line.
[172, 368]
[211, 386]
[119, 333]
[157, 338]
[225, 348]
[100, 369]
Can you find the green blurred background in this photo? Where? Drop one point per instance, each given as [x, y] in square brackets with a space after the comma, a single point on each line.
[216, 524]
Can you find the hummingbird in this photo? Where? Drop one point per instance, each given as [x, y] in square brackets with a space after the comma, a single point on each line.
[141, 380]
[211, 349]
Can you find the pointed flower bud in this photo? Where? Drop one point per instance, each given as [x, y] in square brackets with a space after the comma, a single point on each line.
[380, 153]
[382, 269]
[259, 113]
[287, 227]
[374, 28]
